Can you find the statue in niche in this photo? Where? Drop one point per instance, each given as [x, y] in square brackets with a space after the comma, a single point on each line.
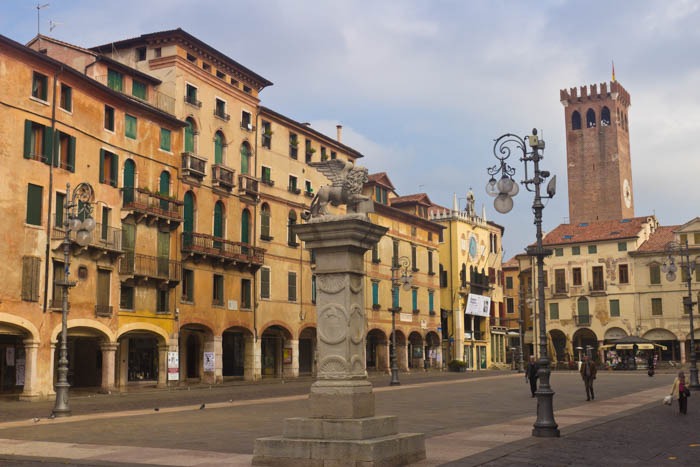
[346, 188]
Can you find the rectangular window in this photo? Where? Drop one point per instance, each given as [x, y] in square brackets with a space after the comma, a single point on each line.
[266, 175]
[575, 250]
[165, 139]
[598, 279]
[104, 228]
[140, 54]
[220, 109]
[414, 254]
[126, 297]
[509, 282]
[266, 134]
[683, 238]
[375, 294]
[624, 274]
[265, 283]
[102, 307]
[696, 238]
[246, 120]
[109, 163]
[395, 297]
[65, 152]
[654, 274]
[138, 89]
[37, 142]
[622, 246]
[558, 252]
[553, 311]
[414, 299]
[292, 286]
[592, 249]
[221, 75]
[217, 298]
[656, 309]
[109, 118]
[187, 285]
[431, 302]
[40, 85]
[246, 302]
[559, 281]
[309, 151]
[576, 278]
[35, 196]
[324, 153]
[115, 80]
[163, 301]
[293, 145]
[130, 126]
[614, 308]
[395, 254]
[293, 185]
[308, 189]
[431, 269]
[60, 203]
[333, 155]
[191, 96]
[31, 268]
[375, 254]
[313, 289]
[66, 102]
[510, 305]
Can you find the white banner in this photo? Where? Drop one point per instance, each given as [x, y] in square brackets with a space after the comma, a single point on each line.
[173, 366]
[478, 305]
[208, 361]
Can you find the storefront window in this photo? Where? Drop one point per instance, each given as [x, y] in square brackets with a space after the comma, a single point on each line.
[143, 359]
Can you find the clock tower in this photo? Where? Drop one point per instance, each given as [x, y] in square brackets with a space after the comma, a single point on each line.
[599, 168]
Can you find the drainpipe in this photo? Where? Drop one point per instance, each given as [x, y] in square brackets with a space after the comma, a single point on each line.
[254, 292]
[50, 204]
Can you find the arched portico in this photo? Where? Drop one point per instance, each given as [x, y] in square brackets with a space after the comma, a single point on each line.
[90, 363]
[377, 351]
[19, 352]
[415, 350]
[236, 353]
[276, 352]
[307, 351]
[433, 349]
[197, 341]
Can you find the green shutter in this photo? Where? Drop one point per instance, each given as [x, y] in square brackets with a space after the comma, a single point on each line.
[102, 165]
[218, 148]
[48, 145]
[138, 89]
[188, 225]
[130, 126]
[71, 154]
[189, 137]
[218, 220]
[34, 201]
[244, 159]
[115, 168]
[165, 139]
[375, 293]
[27, 139]
[431, 301]
[245, 226]
[414, 298]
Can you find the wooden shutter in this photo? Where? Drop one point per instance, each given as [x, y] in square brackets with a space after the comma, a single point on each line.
[70, 160]
[31, 267]
[114, 172]
[27, 139]
[264, 283]
[48, 145]
[103, 279]
[34, 202]
[102, 165]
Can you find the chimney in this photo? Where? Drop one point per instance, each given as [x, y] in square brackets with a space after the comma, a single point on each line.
[339, 133]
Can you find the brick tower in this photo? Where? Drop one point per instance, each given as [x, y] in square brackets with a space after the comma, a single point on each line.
[599, 169]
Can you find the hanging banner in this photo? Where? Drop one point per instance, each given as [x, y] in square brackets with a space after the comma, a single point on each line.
[478, 305]
[173, 366]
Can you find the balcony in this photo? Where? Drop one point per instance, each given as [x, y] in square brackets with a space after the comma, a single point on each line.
[598, 287]
[192, 100]
[104, 240]
[560, 290]
[150, 267]
[219, 250]
[152, 207]
[246, 125]
[248, 185]
[309, 193]
[193, 166]
[582, 320]
[222, 115]
[222, 177]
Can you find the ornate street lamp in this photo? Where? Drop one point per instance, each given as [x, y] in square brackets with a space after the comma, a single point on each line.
[399, 278]
[504, 190]
[78, 218]
[669, 268]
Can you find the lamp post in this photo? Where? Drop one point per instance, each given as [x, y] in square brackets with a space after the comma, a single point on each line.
[504, 190]
[399, 277]
[669, 267]
[78, 218]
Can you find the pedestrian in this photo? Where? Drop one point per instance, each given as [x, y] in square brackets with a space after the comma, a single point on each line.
[531, 374]
[650, 365]
[680, 393]
[588, 373]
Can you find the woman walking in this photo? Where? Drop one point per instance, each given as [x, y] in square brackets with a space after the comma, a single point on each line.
[680, 392]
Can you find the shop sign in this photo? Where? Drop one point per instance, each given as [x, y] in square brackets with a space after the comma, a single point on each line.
[478, 305]
[173, 366]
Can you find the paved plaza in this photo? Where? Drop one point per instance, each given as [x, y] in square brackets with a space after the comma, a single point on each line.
[482, 418]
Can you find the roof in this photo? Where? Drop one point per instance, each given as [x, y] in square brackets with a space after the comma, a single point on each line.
[658, 240]
[380, 178]
[179, 32]
[389, 211]
[585, 232]
[512, 263]
[419, 198]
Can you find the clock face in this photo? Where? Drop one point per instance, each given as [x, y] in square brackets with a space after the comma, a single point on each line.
[472, 246]
[627, 193]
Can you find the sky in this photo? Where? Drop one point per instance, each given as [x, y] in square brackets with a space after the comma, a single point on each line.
[423, 88]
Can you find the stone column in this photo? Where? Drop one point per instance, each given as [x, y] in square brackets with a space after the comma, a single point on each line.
[162, 365]
[123, 355]
[342, 428]
[682, 356]
[291, 370]
[402, 356]
[31, 352]
[253, 365]
[109, 351]
[383, 357]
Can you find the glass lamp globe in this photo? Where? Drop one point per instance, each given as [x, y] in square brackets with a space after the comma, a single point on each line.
[503, 203]
[491, 189]
[515, 190]
[89, 224]
[74, 223]
[505, 184]
[82, 237]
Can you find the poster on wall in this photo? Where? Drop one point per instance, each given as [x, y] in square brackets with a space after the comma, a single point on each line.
[19, 372]
[208, 361]
[10, 356]
[478, 305]
[287, 355]
[173, 366]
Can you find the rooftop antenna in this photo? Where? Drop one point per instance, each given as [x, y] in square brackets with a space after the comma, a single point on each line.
[53, 24]
[39, 6]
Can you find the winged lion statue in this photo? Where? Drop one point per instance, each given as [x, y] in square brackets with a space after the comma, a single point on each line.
[347, 181]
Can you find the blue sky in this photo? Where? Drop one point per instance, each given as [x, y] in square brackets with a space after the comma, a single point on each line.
[423, 88]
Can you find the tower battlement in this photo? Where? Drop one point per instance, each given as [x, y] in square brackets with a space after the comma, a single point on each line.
[594, 91]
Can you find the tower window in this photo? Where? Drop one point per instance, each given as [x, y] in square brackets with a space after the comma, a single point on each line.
[575, 120]
[590, 118]
[605, 117]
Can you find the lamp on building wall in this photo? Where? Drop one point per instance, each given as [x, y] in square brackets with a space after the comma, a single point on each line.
[399, 278]
[78, 218]
[669, 268]
[504, 190]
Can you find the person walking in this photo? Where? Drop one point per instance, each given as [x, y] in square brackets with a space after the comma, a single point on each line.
[680, 393]
[531, 374]
[588, 373]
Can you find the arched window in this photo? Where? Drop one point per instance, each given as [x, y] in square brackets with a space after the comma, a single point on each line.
[291, 236]
[245, 226]
[590, 118]
[583, 315]
[265, 222]
[189, 135]
[575, 120]
[219, 147]
[188, 219]
[245, 158]
[218, 230]
[129, 181]
[605, 117]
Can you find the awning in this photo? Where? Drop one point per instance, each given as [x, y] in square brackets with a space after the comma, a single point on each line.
[631, 346]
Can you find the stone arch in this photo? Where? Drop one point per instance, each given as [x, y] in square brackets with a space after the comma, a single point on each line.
[21, 323]
[614, 333]
[584, 341]
[576, 120]
[237, 348]
[415, 350]
[102, 330]
[144, 327]
[605, 116]
[590, 118]
[273, 336]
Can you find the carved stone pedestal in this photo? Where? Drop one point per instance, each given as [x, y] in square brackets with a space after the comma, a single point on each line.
[342, 429]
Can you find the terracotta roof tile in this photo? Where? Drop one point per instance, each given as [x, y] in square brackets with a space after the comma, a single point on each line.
[414, 198]
[565, 234]
[658, 240]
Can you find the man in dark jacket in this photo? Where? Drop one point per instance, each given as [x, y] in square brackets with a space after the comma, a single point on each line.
[588, 372]
[531, 374]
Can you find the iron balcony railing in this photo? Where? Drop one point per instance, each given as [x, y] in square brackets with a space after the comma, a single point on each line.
[222, 176]
[135, 264]
[143, 201]
[204, 244]
[582, 320]
[103, 236]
